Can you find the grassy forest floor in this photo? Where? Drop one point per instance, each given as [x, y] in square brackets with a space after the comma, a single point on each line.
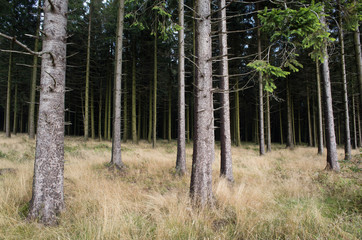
[282, 195]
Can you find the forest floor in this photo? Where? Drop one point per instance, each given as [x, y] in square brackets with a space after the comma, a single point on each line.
[282, 195]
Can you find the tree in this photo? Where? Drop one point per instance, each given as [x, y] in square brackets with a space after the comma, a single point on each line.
[8, 94]
[181, 138]
[225, 137]
[347, 133]
[48, 197]
[203, 153]
[116, 139]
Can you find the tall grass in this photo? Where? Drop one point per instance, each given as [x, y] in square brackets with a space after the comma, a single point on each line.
[282, 195]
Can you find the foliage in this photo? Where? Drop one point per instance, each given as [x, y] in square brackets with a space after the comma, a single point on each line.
[301, 27]
[268, 71]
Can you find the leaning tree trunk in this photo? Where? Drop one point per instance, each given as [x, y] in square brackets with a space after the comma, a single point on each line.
[347, 134]
[8, 94]
[332, 156]
[116, 136]
[31, 121]
[203, 153]
[226, 169]
[48, 197]
[320, 117]
[181, 138]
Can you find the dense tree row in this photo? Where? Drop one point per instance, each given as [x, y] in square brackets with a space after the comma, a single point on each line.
[237, 70]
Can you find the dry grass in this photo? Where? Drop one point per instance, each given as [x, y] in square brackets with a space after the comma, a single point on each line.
[282, 195]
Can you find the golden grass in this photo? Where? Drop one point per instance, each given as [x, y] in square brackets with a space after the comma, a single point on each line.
[282, 195]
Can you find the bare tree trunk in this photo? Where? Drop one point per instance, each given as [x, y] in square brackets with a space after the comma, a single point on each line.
[332, 156]
[15, 119]
[237, 116]
[354, 121]
[261, 93]
[320, 117]
[100, 115]
[226, 169]
[181, 138]
[169, 124]
[314, 125]
[359, 126]
[290, 143]
[33, 80]
[357, 45]
[116, 136]
[268, 123]
[125, 110]
[93, 132]
[310, 136]
[134, 115]
[154, 126]
[347, 136]
[48, 197]
[150, 115]
[281, 124]
[203, 153]
[8, 94]
[86, 100]
[109, 112]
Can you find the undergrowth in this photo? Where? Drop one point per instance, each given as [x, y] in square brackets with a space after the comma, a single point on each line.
[282, 195]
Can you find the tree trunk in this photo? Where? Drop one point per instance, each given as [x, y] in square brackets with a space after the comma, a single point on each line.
[48, 197]
[134, 109]
[203, 153]
[150, 115]
[116, 136]
[139, 120]
[299, 128]
[320, 117]
[347, 136]
[93, 132]
[106, 108]
[125, 110]
[281, 124]
[261, 93]
[293, 121]
[86, 101]
[357, 45]
[314, 126]
[181, 148]
[109, 112]
[169, 130]
[310, 136]
[8, 94]
[290, 143]
[226, 169]
[354, 121]
[100, 115]
[268, 123]
[31, 122]
[237, 116]
[332, 156]
[359, 126]
[15, 120]
[154, 132]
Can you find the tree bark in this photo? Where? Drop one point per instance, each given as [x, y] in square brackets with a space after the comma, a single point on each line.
[48, 197]
[150, 115]
[357, 45]
[354, 121]
[281, 124]
[125, 110]
[226, 169]
[332, 156]
[347, 132]
[116, 136]
[203, 153]
[320, 117]
[181, 138]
